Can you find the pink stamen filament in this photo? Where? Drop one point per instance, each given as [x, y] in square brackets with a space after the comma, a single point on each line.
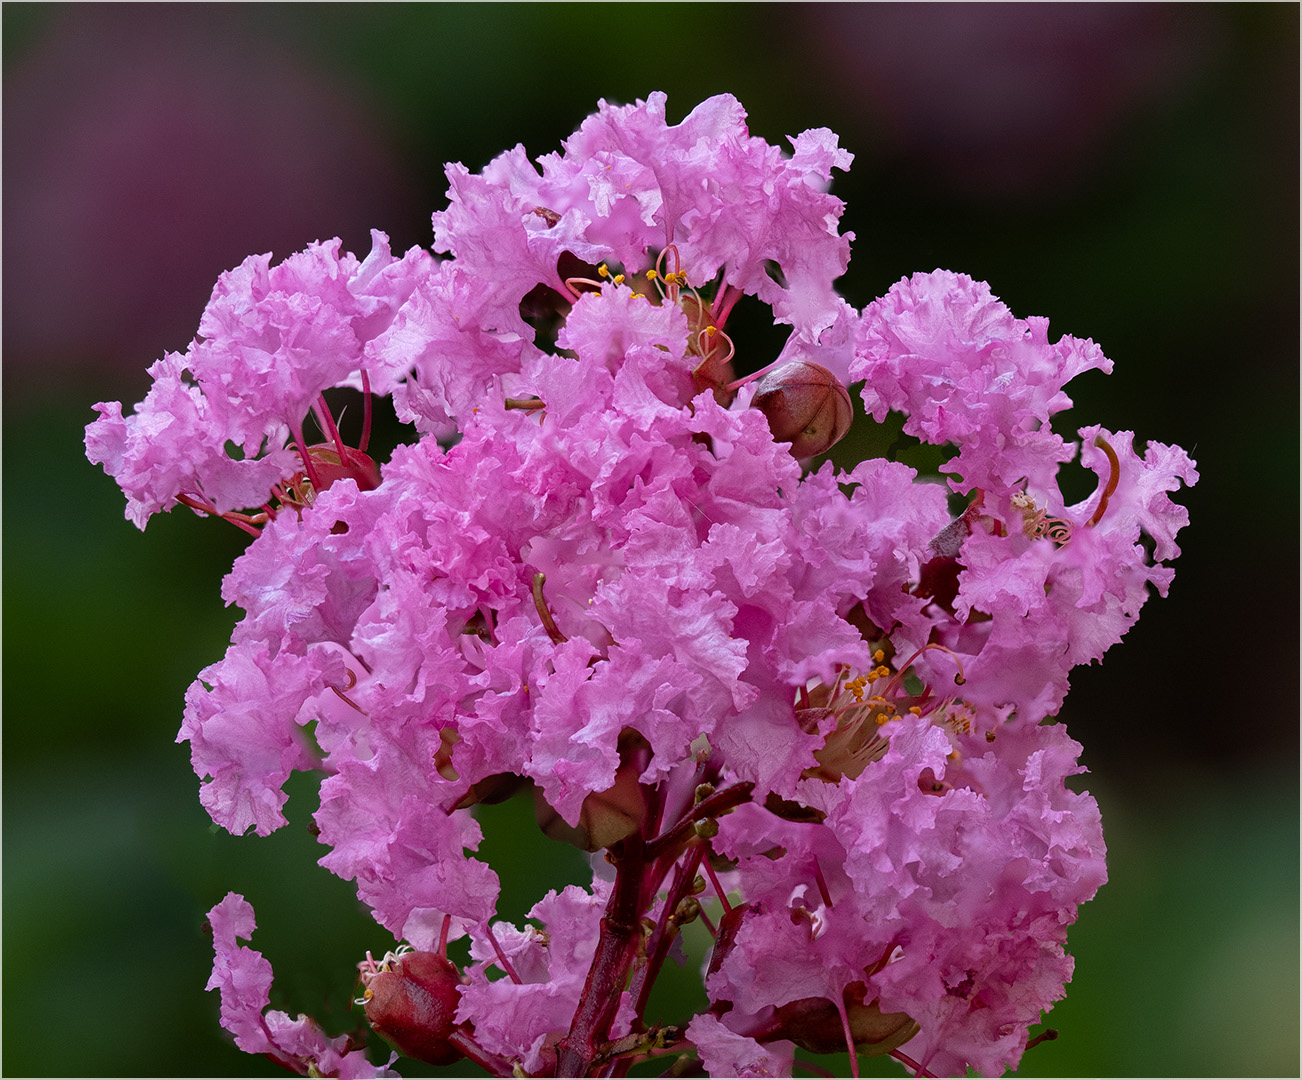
[670, 281]
[308, 466]
[709, 338]
[329, 428]
[443, 936]
[502, 961]
[366, 412]
[1113, 480]
[347, 700]
[739, 383]
[723, 305]
[572, 281]
[822, 884]
[898, 678]
[909, 1063]
[882, 962]
[723, 897]
[343, 695]
[240, 521]
[849, 1035]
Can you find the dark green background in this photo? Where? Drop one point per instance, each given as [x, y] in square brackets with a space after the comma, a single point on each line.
[1128, 171]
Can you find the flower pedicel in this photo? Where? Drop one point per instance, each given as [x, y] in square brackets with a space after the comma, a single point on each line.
[804, 708]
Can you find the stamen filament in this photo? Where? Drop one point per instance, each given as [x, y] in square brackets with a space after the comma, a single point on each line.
[893, 685]
[719, 891]
[240, 521]
[342, 695]
[553, 631]
[366, 412]
[849, 1035]
[309, 467]
[501, 956]
[711, 332]
[731, 294]
[1113, 480]
[572, 281]
[909, 1063]
[732, 387]
[675, 277]
[822, 884]
[328, 426]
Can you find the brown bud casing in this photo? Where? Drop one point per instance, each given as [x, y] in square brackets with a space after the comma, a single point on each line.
[609, 816]
[806, 405]
[413, 1005]
[814, 1024]
[726, 937]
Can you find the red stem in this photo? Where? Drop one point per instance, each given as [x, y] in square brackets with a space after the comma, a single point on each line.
[716, 804]
[620, 929]
[663, 938]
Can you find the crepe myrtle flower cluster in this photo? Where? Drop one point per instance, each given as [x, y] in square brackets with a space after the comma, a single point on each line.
[803, 708]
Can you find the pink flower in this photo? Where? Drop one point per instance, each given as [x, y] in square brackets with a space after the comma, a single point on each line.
[941, 348]
[514, 1016]
[244, 979]
[612, 582]
[214, 425]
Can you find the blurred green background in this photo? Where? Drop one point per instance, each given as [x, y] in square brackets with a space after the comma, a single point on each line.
[1129, 171]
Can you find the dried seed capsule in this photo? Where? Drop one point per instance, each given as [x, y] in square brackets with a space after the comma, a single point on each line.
[806, 405]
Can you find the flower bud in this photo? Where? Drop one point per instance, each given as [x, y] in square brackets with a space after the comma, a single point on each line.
[806, 405]
[330, 467]
[412, 1001]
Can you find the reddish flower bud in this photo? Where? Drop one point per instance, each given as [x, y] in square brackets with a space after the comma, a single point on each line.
[411, 999]
[329, 467]
[806, 405]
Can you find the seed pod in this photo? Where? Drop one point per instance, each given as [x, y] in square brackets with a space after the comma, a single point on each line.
[806, 405]
[413, 1004]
